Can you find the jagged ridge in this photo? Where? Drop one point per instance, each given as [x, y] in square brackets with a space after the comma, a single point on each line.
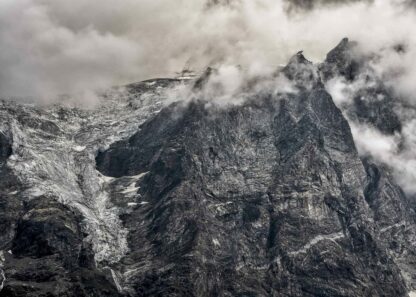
[266, 198]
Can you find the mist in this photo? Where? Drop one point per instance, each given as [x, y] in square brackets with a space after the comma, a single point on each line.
[52, 47]
[395, 149]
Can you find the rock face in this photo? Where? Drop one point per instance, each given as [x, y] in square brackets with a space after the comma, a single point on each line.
[376, 106]
[264, 198]
[48, 257]
[58, 233]
[372, 103]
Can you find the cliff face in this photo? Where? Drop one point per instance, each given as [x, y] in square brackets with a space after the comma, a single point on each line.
[264, 198]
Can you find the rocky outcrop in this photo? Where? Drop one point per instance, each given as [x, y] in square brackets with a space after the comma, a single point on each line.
[373, 103]
[51, 219]
[263, 199]
[49, 258]
[5, 146]
[267, 197]
[42, 247]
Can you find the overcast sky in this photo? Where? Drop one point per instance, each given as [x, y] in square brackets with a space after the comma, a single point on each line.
[49, 47]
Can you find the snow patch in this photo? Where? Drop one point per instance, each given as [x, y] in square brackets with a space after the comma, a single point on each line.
[63, 166]
[106, 179]
[130, 189]
[79, 148]
[132, 186]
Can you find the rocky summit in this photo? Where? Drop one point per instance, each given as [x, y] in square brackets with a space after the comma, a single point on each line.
[145, 196]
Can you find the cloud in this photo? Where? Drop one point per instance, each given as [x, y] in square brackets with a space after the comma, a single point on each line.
[386, 149]
[396, 150]
[51, 47]
[370, 141]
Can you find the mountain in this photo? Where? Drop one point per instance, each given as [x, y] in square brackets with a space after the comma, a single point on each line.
[147, 197]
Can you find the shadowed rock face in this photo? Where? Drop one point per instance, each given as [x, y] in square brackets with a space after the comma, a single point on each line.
[41, 243]
[5, 147]
[265, 198]
[48, 257]
[54, 219]
[374, 104]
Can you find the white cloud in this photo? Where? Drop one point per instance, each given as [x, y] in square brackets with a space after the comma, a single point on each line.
[56, 46]
[370, 141]
[50, 47]
[396, 151]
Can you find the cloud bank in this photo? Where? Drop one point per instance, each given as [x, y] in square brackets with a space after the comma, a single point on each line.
[394, 149]
[50, 47]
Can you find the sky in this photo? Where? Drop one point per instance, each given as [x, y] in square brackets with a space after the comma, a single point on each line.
[54, 47]
[50, 47]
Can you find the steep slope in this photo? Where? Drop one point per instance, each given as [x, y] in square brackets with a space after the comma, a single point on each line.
[263, 199]
[376, 106]
[59, 232]
[144, 197]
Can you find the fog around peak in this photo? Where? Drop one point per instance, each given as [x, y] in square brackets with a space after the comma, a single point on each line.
[52, 47]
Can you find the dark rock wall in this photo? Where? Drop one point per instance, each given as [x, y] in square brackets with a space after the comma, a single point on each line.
[265, 199]
[43, 252]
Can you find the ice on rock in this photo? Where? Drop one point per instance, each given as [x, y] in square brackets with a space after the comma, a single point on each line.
[64, 168]
[79, 148]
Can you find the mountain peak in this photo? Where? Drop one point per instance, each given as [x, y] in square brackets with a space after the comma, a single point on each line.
[144, 197]
[342, 61]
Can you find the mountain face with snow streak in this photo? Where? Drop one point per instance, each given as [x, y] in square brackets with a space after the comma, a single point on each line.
[148, 197]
